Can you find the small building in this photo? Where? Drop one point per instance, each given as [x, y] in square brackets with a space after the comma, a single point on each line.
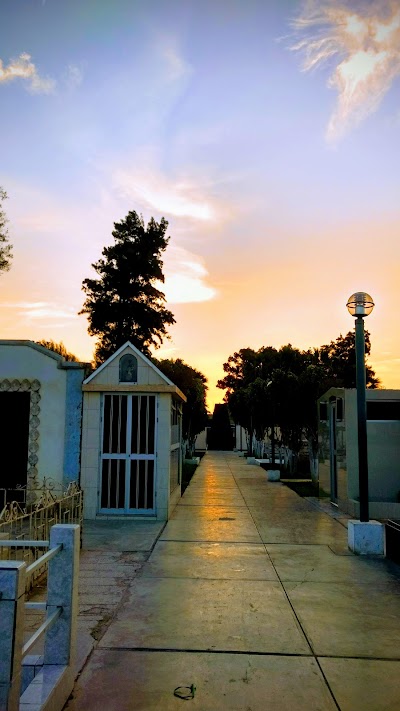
[338, 450]
[131, 438]
[200, 443]
[40, 417]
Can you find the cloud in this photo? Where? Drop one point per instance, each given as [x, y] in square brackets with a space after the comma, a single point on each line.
[35, 310]
[181, 198]
[176, 67]
[164, 352]
[185, 278]
[73, 77]
[23, 68]
[363, 44]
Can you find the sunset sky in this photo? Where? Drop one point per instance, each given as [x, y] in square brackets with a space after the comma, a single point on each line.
[265, 131]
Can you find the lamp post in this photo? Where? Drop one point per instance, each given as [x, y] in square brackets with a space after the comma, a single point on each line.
[360, 305]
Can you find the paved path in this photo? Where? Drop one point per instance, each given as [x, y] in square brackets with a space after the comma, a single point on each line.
[112, 554]
[251, 595]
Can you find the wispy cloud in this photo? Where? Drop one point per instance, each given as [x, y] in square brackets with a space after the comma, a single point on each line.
[35, 310]
[176, 67]
[73, 77]
[181, 198]
[185, 278]
[363, 43]
[23, 68]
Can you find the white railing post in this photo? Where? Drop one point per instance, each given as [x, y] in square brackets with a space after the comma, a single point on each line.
[12, 601]
[62, 591]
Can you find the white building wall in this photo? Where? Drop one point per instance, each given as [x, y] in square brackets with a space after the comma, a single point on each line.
[91, 449]
[22, 362]
[201, 440]
[163, 449]
[240, 438]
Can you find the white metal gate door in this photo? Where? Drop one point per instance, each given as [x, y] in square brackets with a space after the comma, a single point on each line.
[128, 454]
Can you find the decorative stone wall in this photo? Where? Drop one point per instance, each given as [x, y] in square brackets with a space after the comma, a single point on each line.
[32, 386]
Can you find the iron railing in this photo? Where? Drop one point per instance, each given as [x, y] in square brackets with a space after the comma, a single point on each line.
[25, 523]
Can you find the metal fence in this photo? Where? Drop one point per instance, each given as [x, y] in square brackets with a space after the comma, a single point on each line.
[22, 522]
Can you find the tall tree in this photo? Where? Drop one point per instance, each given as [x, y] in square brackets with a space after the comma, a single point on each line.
[194, 385]
[124, 304]
[5, 247]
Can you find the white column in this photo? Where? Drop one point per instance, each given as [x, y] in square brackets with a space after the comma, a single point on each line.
[12, 602]
[62, 591]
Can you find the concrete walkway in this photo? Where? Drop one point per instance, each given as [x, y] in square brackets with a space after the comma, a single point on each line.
[113, 552]
[251, 595]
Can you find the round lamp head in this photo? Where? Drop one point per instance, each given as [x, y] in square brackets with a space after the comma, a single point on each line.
[360, 304]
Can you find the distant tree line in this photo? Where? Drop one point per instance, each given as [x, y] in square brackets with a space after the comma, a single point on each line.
[278, 388]
[194, 385]
[58, 348]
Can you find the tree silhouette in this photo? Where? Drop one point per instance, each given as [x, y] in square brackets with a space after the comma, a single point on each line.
[194, 385]
[58, 348]
[5, 248]
[124, 304]
[338, 359]
[284, 385]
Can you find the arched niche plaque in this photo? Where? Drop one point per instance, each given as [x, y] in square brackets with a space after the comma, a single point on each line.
[128, 369]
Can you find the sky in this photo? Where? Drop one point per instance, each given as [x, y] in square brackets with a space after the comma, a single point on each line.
[265, 131]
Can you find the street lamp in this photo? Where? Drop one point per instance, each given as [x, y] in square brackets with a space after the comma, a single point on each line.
[360, 305]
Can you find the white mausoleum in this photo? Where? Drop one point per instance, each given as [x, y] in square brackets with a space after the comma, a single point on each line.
[131, 438]
[40, 418]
